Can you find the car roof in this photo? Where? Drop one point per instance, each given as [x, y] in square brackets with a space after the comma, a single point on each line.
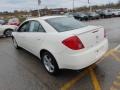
[46, 17]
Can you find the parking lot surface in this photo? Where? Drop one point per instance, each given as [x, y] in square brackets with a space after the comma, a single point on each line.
[20, 70]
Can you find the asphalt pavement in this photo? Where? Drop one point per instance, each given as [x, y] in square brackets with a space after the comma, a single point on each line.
[20, 70]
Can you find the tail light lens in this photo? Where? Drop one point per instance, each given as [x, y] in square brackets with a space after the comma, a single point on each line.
[73, 43]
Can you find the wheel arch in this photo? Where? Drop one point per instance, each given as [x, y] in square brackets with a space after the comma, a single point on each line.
[45, 50]
[42, 51]
[8, 29]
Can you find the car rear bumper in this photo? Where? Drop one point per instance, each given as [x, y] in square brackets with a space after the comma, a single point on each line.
[84, 59]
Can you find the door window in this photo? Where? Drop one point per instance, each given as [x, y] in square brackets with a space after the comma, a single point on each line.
[36, 27]
[24, 27]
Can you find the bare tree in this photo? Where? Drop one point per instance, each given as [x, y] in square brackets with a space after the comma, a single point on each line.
[118, 1]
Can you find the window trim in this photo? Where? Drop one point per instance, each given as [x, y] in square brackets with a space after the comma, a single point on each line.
[29, 25]
[62, 31]
[22, 25]
[39, 24]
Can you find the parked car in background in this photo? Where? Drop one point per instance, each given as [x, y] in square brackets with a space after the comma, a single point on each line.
[93, 15]
[105, 14]
[14, 21]
[115, 12]
[69, 14]
[2, 22]
[80, 16]
[76, 15]
[29, 18]
[6, 30]
[61, 42]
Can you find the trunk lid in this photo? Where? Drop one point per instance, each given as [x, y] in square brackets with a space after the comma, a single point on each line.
[90, 35]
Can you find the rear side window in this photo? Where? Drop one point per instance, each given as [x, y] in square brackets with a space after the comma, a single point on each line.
[62, 24]
[36, 27]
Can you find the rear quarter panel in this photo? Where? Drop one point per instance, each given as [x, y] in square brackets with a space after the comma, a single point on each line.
[53, 43]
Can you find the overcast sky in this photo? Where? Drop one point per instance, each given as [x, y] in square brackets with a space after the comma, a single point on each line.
[10, 5]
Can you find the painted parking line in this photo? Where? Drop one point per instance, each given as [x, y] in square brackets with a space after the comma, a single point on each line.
[118, 77]
[116, 57]
[95, 82]
[71, 83]
[117, 51]
[104, 56]
[91, 72]
[116, 83]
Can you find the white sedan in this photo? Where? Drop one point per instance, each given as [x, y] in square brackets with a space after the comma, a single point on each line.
[61, 42]
[6, 30]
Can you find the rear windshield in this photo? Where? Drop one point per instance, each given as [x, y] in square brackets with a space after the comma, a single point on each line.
[62, 24]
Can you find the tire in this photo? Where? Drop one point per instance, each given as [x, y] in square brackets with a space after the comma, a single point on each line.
[50, 63]
[98, 18]
[15, 43]
[113, 15]
[80, 19]
[8, 33]
[85, 19]
[104, 16]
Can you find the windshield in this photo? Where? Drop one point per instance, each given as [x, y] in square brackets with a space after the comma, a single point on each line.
[62, 24]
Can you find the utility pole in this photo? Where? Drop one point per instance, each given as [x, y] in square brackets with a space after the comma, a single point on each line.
[73, 5]
[109, 3]
[39, 2]
[90, 5]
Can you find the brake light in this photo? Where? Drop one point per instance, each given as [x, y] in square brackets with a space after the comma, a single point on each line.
[73, 43]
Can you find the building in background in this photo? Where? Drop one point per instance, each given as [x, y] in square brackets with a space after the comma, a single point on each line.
[46, 11]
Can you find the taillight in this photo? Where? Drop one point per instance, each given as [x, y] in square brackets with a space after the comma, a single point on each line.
[73, 43]
[105, 35]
